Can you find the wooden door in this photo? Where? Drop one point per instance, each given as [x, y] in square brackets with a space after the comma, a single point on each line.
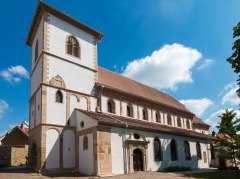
[137, 160]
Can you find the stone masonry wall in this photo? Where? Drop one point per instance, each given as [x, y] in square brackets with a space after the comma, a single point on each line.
[13, 156]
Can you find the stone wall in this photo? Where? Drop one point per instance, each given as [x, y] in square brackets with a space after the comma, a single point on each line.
[13, 156]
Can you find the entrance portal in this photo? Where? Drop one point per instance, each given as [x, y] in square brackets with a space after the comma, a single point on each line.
[137, 160]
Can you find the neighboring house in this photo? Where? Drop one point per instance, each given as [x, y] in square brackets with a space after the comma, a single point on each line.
[14, 147]
[88, 119]
[217, 160]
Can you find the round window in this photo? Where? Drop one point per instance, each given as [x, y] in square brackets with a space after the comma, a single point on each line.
[81, 124]
[136, 136]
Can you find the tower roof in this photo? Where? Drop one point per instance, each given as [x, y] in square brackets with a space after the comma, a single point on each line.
[42, 7]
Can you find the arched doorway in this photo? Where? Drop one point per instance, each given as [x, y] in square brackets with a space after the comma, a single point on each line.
[137, 160]
[33, 156]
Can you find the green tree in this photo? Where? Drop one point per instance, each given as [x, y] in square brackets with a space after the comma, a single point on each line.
[234, 59]
[229, 145]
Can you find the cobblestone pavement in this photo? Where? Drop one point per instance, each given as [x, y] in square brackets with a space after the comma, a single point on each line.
[26, 174]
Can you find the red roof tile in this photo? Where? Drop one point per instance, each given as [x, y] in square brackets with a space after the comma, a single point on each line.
[127, 85]
[114, 120]
[198, 121]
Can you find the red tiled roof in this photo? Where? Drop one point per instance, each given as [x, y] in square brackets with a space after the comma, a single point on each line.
[119, 121]
[197, 121]
[127, 85]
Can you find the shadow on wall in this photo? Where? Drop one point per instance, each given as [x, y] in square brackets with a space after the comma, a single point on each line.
[60, 150]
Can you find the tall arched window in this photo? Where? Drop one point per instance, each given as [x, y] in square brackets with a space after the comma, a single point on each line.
[199, 152]
[169, 120]
[212, 152]
[72, 46]
[157, 150]
[179, 122]
[188, 124]
[158, 119]
[145, 114]
[187, 150]
[173, 148]
[129, 110]
[111, 106]
[59, 97]
[36, 51]
[85, 143]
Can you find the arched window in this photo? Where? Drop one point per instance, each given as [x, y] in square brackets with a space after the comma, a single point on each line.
[187, 150]
[85, 143]
[59, 97]
[158, 119]
[129, 110]
[188, 124]
[111, 106]
[36, 51]
[169, 120]
[157, 150]
[72, 46]
[212, 152]
[145, 114]
[173, 148]
[198, 148]
[179, 122]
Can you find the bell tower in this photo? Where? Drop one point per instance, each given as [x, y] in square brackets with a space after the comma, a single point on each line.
[63, 75]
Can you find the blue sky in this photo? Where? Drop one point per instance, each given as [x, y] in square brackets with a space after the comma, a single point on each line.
[191, 40]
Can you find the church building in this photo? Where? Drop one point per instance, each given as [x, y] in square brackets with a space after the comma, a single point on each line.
[84, 118]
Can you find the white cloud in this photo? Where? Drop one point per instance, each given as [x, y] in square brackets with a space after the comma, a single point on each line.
[206, 63]
[197, 106]
[214, 119]
[3, 107]
[230, 97]
[164, 68]
[14, 73]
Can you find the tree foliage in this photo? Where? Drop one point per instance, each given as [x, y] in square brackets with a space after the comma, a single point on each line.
[234, 59]
[229, 145]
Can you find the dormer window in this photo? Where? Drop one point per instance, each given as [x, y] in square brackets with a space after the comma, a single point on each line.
[72, 46]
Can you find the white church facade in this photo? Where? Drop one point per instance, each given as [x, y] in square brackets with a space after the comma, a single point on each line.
[87, 119]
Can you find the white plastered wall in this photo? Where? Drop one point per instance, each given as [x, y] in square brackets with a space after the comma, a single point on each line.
[86, 156]
[39, 37]
[56, 112]
[88, 122]
[75, 104]
[75, 77]
[52, 149]
[38, 107]
[58, 32]
[68, 149]
[36, 77]
[117, 150]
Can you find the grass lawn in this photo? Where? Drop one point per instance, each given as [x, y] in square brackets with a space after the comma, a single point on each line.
[221, 174]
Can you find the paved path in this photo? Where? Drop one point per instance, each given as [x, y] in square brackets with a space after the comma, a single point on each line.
[26, 174]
